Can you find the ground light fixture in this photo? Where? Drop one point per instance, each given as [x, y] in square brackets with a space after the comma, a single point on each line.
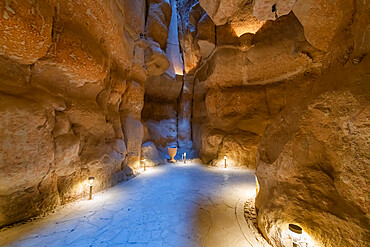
[184, 158]
[225, 158]
[296, 234]
[144, 163]
[91, 182]
[257, 185]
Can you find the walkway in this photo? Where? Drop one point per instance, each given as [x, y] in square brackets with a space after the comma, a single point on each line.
[179, 205]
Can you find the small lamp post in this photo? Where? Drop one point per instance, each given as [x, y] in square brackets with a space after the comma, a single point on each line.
[295, 233]
[143, 160]
[225, 158]
[91, 182]
[184, 158]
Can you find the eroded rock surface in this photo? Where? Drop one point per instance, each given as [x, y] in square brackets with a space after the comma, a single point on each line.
[312, 161]
[65, 68]
[240, 88]
[327, 157]
[293, 103]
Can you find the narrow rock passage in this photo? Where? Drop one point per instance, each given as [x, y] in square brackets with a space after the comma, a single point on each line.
[180, 205]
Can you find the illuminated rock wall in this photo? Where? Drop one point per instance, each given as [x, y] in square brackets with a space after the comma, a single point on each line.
[244, 83]
[313, 162]
[71, 94]
[291, 100]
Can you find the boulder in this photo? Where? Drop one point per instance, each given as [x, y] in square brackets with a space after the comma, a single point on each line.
[164, 87]
[150, 153]
[158, 21]
[206, 36]
[163, 133]
[156, 61]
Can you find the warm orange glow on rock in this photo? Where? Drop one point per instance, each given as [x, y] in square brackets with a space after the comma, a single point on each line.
[246, 22]
[249, 26]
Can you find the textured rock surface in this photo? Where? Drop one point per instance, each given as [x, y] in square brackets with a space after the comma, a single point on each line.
[156, 61]
[291, 99]
[83, 84]
[206, 36]
[164, 87]
[26, 35]
[221, 10]
[320, 20]
[64, 70]
[158, 21]
[240, 88]
[244, 21]
[238, 13]
[163, 133]
[150, 153]
[327, 157]
[262, 9]
[312, 162]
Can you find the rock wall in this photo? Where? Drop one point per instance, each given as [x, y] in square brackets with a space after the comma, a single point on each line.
[244, 83]
[288, 96]
[167, 111]
[71, 94]
[313, 162]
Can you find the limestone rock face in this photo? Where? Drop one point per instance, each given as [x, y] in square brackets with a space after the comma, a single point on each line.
[66, 153]
[239, 88]
[221, 10]
[23, 122]
[156, 61]
[150, 153]
[238, 13]
[25, 29]
[206, 36]
[133, 99]
[322, 174]
[195, 14]
[25, 169]
[320, 20]
[133, 130]
[164, 87]
[158, 21]
[163, 133]
[72, 90]
[275, 43]
[190, 13]
[262, 9]
[244, 21]
[184, 127]
[191, 52]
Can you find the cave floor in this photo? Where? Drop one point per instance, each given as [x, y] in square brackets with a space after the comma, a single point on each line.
[180, 205]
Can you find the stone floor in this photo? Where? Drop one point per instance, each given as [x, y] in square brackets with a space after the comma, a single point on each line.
[180, 205]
